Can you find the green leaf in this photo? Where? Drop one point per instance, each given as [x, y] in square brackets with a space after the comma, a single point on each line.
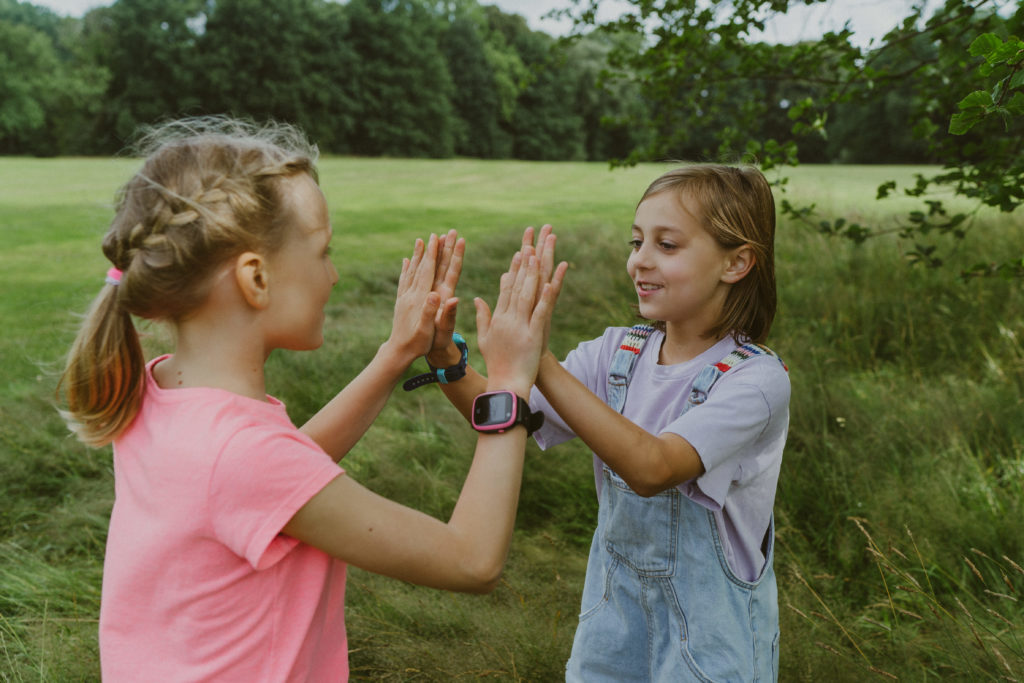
[1016, 104]
[963, 122]
[984, 44]
[978, 98]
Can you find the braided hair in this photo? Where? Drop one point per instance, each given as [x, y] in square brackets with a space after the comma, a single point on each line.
[209, 189]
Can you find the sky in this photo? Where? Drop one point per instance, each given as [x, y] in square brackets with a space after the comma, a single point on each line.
[868, 18]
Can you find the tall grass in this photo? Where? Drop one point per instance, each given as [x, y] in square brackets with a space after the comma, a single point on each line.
[899, 508]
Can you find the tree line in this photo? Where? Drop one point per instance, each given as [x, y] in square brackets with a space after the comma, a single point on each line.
[425, 78]
[408, 78]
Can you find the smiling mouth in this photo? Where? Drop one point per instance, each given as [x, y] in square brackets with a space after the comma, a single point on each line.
[646, 287]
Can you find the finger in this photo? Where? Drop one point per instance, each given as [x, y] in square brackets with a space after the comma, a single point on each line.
[483, 318]
[454, 269]
[417, 256]
[423, 273]
[545, 230]
[546, 254]
[525, 291]
[512, 297]
[417, 252]
[446, 249]
[548, 297]
[528, 237]
[403, 276]
[506, 283]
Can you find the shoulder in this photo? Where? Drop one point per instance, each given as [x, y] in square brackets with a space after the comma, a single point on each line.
[763, 375]
[597, 354]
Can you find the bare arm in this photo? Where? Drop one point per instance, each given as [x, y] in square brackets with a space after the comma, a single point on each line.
[466, 553]
[648, 463]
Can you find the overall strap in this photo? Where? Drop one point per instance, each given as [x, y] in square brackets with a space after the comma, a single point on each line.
[710, 373]
[623, 363]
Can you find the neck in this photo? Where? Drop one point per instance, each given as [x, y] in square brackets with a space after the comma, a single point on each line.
[681, 344]
[219, 353]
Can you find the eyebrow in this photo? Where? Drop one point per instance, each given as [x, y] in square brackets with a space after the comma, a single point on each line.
[656, 228]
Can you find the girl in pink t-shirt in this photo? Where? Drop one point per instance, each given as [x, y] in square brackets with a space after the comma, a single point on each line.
[232, 528]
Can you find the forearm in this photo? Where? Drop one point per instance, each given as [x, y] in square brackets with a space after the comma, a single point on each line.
[647, 462]
[344, 420]
[484, 516]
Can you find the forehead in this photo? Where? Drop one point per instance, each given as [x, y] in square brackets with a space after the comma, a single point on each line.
[305, 203]
[670, 210]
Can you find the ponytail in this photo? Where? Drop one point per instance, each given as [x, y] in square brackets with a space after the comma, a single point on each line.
[104, 375]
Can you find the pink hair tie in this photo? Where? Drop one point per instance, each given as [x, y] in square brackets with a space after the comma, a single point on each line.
[114, 276]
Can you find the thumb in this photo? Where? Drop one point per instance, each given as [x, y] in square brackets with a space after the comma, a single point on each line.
[446, 314]
[430, 306]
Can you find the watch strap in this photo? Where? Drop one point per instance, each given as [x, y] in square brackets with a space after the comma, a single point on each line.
[531, 420]
[447, 375]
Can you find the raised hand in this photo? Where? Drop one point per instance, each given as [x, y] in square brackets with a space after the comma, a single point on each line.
[416, 303]
[513, 337]
[446, 276]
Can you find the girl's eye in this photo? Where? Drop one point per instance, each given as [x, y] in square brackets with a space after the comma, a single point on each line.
[667, 246]
[635, 244]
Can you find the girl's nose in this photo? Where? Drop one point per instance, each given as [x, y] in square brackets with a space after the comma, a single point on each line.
[640, 258]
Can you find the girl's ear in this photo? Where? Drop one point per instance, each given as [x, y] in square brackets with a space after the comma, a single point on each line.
[741, 261]
[251, 277]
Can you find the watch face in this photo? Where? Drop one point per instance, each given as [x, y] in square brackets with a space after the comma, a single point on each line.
[494, 411]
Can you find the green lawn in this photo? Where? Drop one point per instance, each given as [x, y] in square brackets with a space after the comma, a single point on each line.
[900, 505]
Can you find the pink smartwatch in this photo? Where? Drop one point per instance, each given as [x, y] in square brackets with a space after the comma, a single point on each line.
[499, 411]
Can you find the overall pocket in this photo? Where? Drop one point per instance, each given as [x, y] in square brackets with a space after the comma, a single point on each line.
[641, 532]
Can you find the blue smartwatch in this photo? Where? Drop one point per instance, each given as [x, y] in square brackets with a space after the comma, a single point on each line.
[447, 375]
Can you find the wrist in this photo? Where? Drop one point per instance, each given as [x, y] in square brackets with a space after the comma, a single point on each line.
[389, 353]
[444, 374]
[443, 358]
[548, 363]
[519, 385]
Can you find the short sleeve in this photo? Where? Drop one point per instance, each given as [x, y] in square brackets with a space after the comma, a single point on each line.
[743, 407]
[264, 474]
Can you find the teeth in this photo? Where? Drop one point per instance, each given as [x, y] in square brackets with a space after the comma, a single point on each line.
[647, 288]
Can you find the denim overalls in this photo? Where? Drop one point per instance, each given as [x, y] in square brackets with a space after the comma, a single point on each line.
[659, 601]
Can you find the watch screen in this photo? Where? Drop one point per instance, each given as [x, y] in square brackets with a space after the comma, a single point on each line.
[493, 409]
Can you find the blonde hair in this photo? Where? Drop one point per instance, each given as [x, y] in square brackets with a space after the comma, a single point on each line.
[735, 205]
[209, 189]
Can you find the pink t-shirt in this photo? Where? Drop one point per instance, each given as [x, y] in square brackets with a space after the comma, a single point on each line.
[198, 582]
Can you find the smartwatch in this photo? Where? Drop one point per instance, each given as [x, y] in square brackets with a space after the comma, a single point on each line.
[499, 411]
[447, 375]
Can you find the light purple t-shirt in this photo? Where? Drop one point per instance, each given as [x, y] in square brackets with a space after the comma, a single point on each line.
[739, 432]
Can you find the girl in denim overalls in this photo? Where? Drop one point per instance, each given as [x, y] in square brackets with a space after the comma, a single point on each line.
[687, 420]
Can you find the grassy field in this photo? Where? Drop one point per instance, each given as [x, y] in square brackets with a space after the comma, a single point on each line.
[899, 512]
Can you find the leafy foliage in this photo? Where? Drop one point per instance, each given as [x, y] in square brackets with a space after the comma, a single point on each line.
[951, 81]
